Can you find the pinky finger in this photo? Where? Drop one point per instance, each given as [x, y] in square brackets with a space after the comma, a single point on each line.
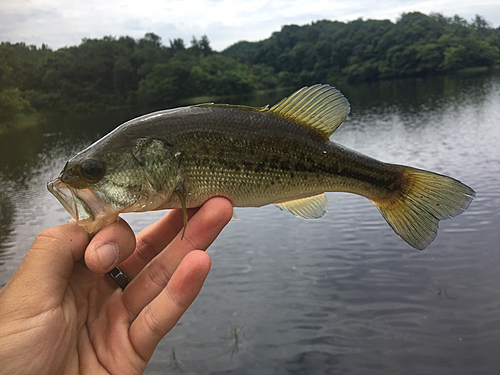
[161, 315]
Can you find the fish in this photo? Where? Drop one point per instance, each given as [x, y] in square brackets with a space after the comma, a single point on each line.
[281, 155]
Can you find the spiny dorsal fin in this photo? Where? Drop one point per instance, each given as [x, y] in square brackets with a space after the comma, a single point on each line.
[307, 208]
[321, 107]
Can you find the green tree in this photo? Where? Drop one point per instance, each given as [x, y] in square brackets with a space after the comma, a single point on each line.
[177, 45]
[12, 100]
[12, 103]
[148, 52]
[455, 58]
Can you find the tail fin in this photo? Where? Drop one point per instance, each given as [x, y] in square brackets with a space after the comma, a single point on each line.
[426, 198]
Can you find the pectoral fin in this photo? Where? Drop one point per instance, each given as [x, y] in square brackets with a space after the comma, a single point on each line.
[180, 190]
[307, 208]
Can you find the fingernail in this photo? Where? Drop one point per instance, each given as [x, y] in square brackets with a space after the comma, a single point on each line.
[108, 255]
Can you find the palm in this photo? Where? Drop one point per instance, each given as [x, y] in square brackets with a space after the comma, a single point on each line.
[100, 322]
[89, 326]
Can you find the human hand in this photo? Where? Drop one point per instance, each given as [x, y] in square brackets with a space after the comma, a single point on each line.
[58, 317]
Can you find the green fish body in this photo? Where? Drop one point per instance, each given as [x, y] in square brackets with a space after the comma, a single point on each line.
[180, 158]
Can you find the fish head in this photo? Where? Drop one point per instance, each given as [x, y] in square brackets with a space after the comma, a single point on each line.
[110, 178]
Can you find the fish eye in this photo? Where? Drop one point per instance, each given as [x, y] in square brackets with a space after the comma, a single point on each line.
[92, 170]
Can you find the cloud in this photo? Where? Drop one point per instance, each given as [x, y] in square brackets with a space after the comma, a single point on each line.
[62, 23]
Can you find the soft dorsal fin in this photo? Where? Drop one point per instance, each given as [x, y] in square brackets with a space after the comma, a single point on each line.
[321, 107]
[307, 208]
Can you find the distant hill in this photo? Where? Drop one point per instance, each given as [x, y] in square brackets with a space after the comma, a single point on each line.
[113, 72]
[417, 44]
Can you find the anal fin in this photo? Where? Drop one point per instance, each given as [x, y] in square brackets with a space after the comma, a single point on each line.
[306, 208]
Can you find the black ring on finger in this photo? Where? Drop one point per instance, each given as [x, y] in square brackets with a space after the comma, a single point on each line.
[121, 279]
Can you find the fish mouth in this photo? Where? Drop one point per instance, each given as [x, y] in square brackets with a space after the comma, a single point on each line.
[83, 204]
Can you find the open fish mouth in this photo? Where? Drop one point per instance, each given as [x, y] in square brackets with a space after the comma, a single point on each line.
[83, 204]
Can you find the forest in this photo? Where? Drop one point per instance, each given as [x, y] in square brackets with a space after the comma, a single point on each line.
[112, 72]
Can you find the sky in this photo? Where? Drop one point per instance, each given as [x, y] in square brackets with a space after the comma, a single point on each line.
[60, 23]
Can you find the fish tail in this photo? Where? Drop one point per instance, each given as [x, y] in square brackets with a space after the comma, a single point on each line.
[422, 200]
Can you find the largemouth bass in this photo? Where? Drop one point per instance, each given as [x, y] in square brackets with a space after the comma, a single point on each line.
[179, 158]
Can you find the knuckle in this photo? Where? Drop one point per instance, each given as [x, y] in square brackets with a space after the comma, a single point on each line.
[145, 250]
[152, 322]
[49, 238]
[158, 274]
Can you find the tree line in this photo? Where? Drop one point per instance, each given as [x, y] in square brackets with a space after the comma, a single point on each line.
[111, 72]
[416, 45]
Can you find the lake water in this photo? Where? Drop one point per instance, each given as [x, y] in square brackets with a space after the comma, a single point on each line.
[340, 295]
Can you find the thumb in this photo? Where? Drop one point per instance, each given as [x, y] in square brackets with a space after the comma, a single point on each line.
[48, 264]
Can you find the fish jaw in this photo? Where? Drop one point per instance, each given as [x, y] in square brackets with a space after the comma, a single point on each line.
[84, 205]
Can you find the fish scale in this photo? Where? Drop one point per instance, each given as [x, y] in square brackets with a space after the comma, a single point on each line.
[269, 174]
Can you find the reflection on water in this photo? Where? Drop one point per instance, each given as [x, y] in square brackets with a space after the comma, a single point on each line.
[343, 294]
[6, 221]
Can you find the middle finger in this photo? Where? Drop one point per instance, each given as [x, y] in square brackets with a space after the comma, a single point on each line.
[153, 239]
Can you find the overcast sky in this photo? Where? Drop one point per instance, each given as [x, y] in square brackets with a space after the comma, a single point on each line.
[60, 23]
